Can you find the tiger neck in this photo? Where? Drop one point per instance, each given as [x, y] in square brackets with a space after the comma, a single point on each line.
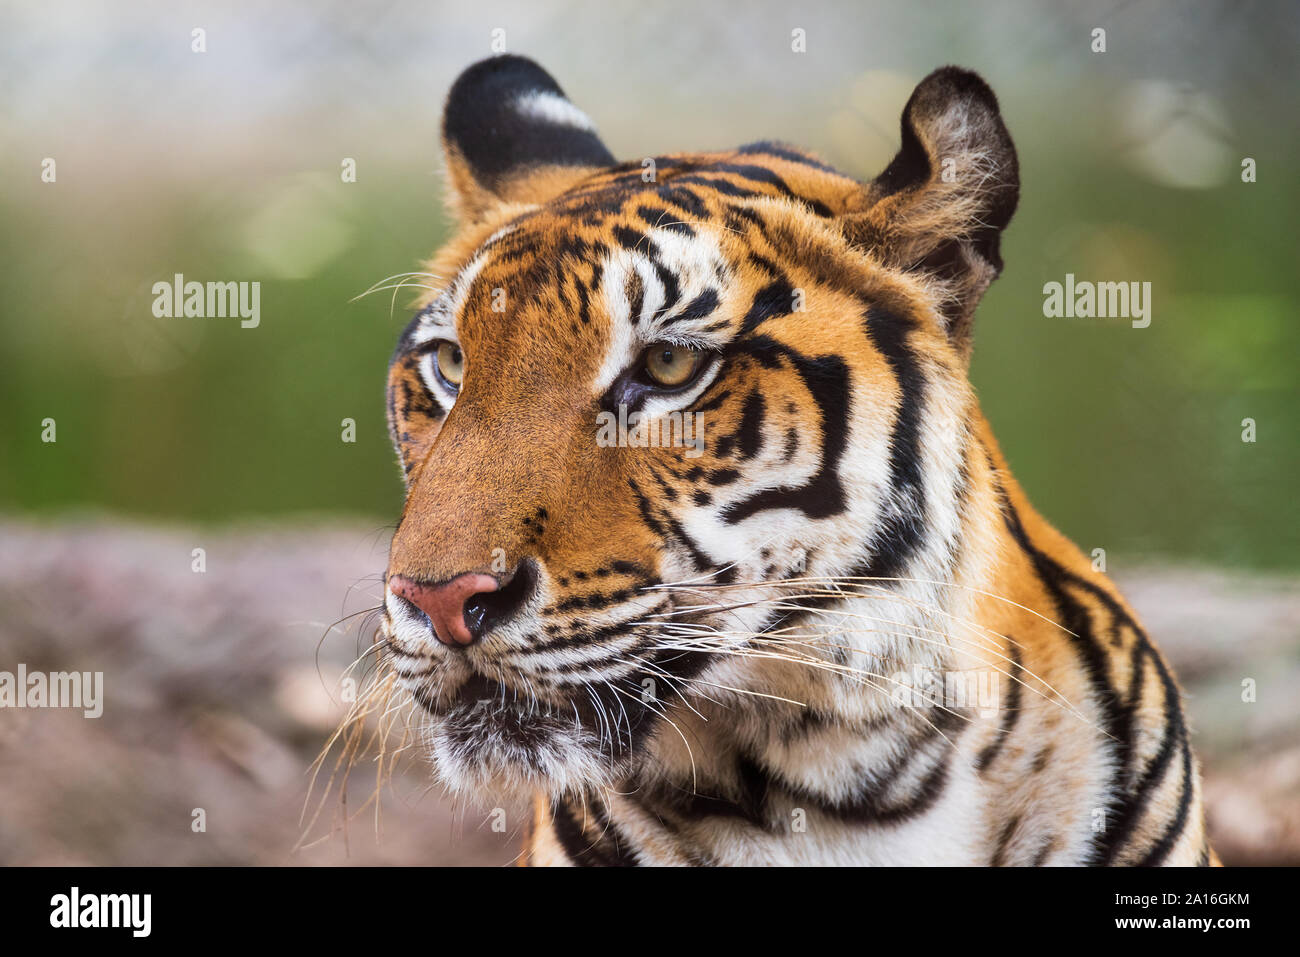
[808, 764]
[870, 686]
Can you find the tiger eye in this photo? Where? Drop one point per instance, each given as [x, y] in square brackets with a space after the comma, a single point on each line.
[451, 363]
[671, 365]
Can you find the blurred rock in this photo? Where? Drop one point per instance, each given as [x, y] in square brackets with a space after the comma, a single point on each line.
[217, 696]
[222, 686]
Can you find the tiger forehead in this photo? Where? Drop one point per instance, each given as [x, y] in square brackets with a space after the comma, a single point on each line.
[684, 194]
[654, 245]
[640, 268]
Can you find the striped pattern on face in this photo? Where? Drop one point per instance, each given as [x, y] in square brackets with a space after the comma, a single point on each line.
[718, 606]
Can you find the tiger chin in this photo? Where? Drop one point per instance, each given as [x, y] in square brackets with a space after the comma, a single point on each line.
[825, 627]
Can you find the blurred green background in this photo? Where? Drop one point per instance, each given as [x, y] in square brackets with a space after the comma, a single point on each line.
[225, 166]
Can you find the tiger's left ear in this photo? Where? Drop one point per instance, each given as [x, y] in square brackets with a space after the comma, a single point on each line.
[940, 206]
[511, 136]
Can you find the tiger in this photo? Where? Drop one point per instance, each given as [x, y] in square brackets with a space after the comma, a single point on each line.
[708, 556]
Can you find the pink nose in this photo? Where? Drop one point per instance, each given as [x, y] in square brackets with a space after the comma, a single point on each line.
[444, 603]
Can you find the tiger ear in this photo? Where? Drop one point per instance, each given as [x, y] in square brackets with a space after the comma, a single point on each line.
[940, 206]
[511, 136]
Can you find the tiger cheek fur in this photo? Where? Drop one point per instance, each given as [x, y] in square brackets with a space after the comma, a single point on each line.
[731, 633]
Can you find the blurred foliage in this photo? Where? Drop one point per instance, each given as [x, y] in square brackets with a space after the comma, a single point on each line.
[225, 166]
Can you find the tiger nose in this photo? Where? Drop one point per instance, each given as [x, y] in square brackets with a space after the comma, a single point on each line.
[445, 603]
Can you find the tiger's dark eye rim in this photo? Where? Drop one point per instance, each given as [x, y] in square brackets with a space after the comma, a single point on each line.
[699, 356]
[705, 359]
[632, 388]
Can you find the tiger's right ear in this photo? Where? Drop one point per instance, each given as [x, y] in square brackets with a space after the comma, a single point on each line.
[511, 136]
[940, 207]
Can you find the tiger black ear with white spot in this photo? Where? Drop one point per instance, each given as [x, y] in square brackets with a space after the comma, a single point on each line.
[510, 135]
[940, 206]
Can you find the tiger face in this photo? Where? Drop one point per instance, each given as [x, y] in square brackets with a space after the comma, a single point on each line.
[652, 401]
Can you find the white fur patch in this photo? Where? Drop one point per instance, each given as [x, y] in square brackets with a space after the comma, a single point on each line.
[554, 109]
[696, 263]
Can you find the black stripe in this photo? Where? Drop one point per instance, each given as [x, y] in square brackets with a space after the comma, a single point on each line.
[693, 805]
[902, 531]
[635, 296]
[737, 212]
[670, 493]
[672, 288]
[750, 434]
[725, 187]
[628, 237]
[761, 174]
[1138, 794]
[871, 806]
[827, 379]
[1004, 841]
[1157, 854]
[577, 847]
[594, 601]
[643, 506]
[1114, 731]
[773, 300]
[789, 154]
[1116, 720]
[870, 809]
[778, 151]
[1137, 669]
[1041, 759]
[585, 636]
[1012, 707]
[620, 851]
[638, 242]
[698, 558]
[659, 218]
[700, 307]
[686, 200]
[666, 525]
[1041, 856]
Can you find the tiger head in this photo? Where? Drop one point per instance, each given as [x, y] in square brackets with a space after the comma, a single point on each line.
[653, 411]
